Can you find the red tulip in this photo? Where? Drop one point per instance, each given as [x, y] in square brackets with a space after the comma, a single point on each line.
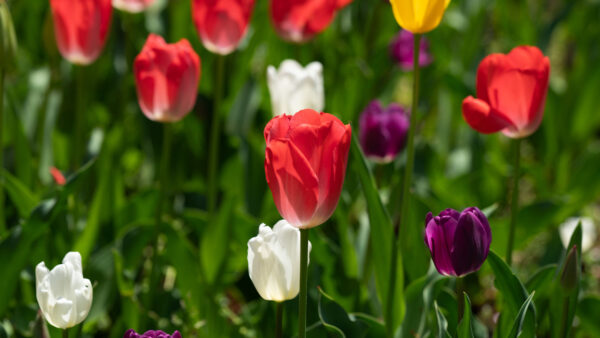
[81, 28]
[305, 165]
[300, 20]
[166, 77]
[221, 24]
[511, 93]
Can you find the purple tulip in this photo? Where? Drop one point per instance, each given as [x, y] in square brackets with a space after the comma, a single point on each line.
[459, 242]
[151, 334]
[383, 131]
[401, 50]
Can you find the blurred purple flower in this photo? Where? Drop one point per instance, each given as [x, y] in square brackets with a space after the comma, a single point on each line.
[401, 50]
[383, 131]
[151, 334]
[459, 242]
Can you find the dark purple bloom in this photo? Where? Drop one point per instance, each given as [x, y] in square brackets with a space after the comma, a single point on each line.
[383, 131]
[151, 334]
[401, 50]
[459, 242]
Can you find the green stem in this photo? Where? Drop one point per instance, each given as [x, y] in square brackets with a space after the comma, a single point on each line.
[564, 329]
[279, 320]
[404, 205]
[303, 283]
[164, 175]
[212, 182]
[65, 333]
[514, 203]
[79, 141]
[2, 220]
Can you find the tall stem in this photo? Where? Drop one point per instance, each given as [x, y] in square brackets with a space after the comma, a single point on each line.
[65, 333]
[2, 221]
[212, 182]
[514, 203]
[564, 329]
[79, 117]
[279, 320]
[303, 283]
[163, 173]
[404, 205]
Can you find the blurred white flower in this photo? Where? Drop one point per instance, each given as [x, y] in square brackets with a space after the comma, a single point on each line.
[132, 6]
[274, 261]
[63, 295]
[294, 88]
[588, 231]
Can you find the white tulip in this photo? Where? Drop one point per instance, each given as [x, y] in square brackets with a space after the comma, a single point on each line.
[588, 231]
[294, 88]
[274, 261]
[64, 296]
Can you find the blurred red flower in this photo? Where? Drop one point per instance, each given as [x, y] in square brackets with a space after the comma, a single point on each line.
[81, 28]
[221, 24]
[511, 93]
[166, 78]
[300, 20]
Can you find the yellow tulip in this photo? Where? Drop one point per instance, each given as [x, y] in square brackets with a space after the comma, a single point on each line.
[419, 16]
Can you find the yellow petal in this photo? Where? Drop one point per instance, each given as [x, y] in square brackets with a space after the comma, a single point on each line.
[419, 16]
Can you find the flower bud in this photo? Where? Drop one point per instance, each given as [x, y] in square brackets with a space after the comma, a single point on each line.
[293, 87]
[459, 242]
[402, 50]
[569, 276]
[588, 231]
[383, 131]
[419, 16]
[63, 295]
[166, 78]
[8, 40]
[151, 334]
[274, 261]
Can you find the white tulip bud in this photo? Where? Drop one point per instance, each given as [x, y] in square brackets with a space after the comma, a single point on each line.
[274, 261]
[294, 88]
[588, 231]
[63, 295]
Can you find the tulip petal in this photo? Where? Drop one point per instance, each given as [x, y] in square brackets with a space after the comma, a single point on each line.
[479, 115]
[293, 182]
[440, 253]
[470, 245]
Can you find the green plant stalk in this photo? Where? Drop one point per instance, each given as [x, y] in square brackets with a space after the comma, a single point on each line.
[514, 203]
[79, 118]
[212, 181]
[65, 333]
[564, 330]
[2, 220]
[303, 283]
[279, 319]
[163, 183]
[404, 205]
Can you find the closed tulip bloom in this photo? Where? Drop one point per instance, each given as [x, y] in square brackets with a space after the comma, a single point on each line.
[63, 295]
[511, 93]
[419, 16]
[402, 49]
[151, 334]
[166, 78]
[459, 242]
[383, 131]
[305, 165]
[81, 28]
[300, 20]
[274, 261]
[221, 24]
[293, 87]
[132, 6]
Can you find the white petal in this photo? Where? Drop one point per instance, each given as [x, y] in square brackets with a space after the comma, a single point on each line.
[588, 231]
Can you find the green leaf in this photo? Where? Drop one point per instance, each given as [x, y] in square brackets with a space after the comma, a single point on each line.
[518, 323]
[215, 243]
[542, 278]
[512, 290]
[22, 197]
[588, 311]
[419, 296]
[442, 323]
[465, 327]
[335, 318]
[381, 235]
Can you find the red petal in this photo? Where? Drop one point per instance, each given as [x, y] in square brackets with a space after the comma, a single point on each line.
[479, 115]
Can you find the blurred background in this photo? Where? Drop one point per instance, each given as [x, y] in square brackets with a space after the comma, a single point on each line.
[195, 279]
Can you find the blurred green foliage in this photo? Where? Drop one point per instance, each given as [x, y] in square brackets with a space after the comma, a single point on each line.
[194, 276]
